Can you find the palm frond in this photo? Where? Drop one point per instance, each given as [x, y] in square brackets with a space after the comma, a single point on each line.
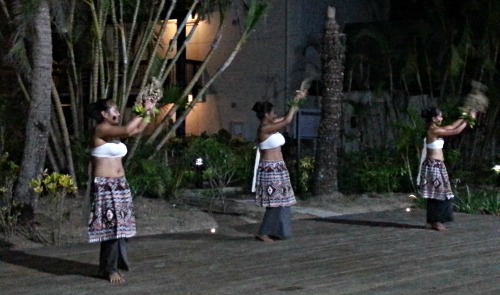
[257, 10]
[171, 94]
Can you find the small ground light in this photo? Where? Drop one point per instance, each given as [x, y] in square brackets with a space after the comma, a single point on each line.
[412, 196]
[199, 172]
[408, 209]
[212, 230]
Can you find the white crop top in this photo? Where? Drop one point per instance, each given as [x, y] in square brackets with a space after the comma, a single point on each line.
[273, 141]
[436, 144]
[112, 149]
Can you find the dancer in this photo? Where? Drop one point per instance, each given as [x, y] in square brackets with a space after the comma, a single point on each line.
[112, 219]
[433, 180]
[271, 179]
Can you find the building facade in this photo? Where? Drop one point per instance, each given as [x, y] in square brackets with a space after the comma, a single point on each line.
[283, 50]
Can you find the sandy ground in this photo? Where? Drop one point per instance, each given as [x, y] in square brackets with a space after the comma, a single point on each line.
[193, 212]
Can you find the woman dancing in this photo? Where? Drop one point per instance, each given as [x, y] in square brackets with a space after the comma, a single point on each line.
[271, 179]
[433, 180]
[112, 219]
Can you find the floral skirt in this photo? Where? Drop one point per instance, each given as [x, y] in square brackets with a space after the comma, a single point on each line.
[273, 186]
[434, 181]
[111, 215]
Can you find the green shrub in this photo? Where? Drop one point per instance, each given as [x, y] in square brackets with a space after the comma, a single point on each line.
[472, 202]
[302, 178]
[245, 153]
[54, 188]
[373, 171]
[153, 179]
[160, 177]
[9, 211]
[227, 161]
[223, 163]
[480, 175]
[306, 167]
[477, 202]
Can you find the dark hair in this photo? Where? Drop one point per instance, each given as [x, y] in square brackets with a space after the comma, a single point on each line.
[429, 113]
[94, 109]
[261, 108]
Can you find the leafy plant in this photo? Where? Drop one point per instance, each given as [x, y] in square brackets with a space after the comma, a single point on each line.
[220, 165]
[9, 212]
[225, 161]
[373, 171]
[306, 170]
[480, 202]
[55, 187]
[153, 178]
[472, 202]
[490, 203]
[409, 144]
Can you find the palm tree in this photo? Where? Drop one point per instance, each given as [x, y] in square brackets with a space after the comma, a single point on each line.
[33, 21]
[131, 60]
[329, 132]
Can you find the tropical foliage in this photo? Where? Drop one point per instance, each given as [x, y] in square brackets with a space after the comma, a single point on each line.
[107, 48]
[54, 188]
[9, 211]
[473, 201]
[427, 61]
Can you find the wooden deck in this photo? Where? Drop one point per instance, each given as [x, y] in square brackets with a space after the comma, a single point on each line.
[375, 253]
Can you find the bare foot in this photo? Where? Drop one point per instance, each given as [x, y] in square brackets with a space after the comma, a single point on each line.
[116, 278]
[264, 238]
[436, 226]
[439, 226]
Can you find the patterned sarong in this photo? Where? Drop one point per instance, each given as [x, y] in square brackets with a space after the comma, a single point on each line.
[112, 215]
[273, 187]
[434, 181]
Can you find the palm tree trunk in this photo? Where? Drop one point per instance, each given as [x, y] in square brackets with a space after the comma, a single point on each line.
[329, 132]
[38, 121]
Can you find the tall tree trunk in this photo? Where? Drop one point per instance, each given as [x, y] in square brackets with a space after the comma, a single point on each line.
[38, 120]
[329, 132]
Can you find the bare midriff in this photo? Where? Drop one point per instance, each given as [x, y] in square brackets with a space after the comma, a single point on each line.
[271, 154]
[108, 167]
[436, 154]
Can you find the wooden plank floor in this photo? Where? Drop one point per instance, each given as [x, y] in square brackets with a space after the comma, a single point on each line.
[374, 253]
